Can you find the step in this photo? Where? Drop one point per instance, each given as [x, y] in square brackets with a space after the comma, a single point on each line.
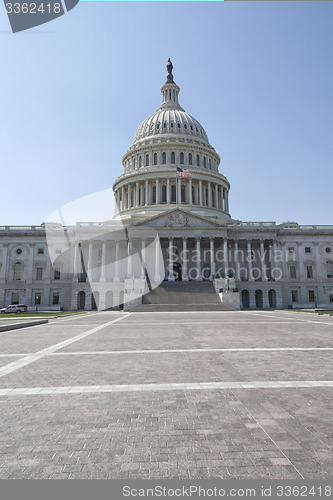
[181, 307]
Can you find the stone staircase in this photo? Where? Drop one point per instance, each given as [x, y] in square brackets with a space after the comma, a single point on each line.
[182, 296]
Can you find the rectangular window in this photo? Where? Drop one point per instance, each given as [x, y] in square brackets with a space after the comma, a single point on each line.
[40, 251]
[56, 273]
[38, 298]
[15, 298]
[331, 298]
[39, 273]
[292, 272]
[309, 272]
[294, 296]
[307, 249]
[55, 298]
[311, 296]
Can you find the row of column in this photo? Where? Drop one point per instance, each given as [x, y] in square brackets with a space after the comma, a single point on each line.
[224, 247]
[214, 259]
[137, 194]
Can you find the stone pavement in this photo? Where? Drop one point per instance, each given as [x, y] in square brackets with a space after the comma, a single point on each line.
[168, 395]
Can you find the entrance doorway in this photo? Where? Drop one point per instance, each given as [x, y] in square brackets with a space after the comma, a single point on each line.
[272, 298]
[245, 299]
[81, 300]
[258, 299]
[177, 271]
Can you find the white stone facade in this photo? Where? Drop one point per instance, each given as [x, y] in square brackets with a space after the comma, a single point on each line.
[167, 228]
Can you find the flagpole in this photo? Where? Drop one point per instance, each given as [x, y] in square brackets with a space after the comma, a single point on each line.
[176, 187]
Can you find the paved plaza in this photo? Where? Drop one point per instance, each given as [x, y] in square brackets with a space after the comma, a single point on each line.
[168, 395]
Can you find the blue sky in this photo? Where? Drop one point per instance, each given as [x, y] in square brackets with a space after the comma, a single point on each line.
[257, 75]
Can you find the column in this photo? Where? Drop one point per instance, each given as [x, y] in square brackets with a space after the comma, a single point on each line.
[209, 195]
[129, 258]
[116, 201]
[276, 271]
[237, 265]
[157, 277]
[137, 194]
[212, 259]
[198, 250]
[222, 199]
[249, 260]
[168, 192]
[171, 276]
[185, 260]
[116, 263]
[4, 265]
[216, 196]
[226, 257]
[190, 201]
[146, 193]
[318, 269]
[123, 204]
[103, 263]
[157, 192]
[200, 193]
[30, 264]
[179, 194]
[90, 263]
[262, 260]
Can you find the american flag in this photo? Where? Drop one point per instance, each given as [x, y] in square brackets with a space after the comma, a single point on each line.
[183, 172]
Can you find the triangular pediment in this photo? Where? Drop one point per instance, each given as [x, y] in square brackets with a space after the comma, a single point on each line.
[179, 218]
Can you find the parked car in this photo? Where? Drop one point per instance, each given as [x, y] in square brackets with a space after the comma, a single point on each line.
[14, 308]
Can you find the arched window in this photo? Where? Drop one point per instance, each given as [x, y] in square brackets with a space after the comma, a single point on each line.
[190, 159]
[132, 198]
[155, 158]
[164, 158]
[182, 191]
[140, 162]
[206, 196]
[164, 194]
[173, 157]
[213, 198]
[171, 124]
[182, 158]
[193, 199]
[204, 162]
[210, 163]
[198, 161]
[147, 160]
[164, 125]
[329, 269]
[178, 125]
[185, 126]
[173, 193]
[18, 268]
[154, 195]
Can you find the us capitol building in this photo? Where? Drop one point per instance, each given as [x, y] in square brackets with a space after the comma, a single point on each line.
[172, 228]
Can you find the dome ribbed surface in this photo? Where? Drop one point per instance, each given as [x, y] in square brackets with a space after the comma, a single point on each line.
[171, 121]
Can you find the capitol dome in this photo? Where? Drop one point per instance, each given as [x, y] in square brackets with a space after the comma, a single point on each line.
[168, 144]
